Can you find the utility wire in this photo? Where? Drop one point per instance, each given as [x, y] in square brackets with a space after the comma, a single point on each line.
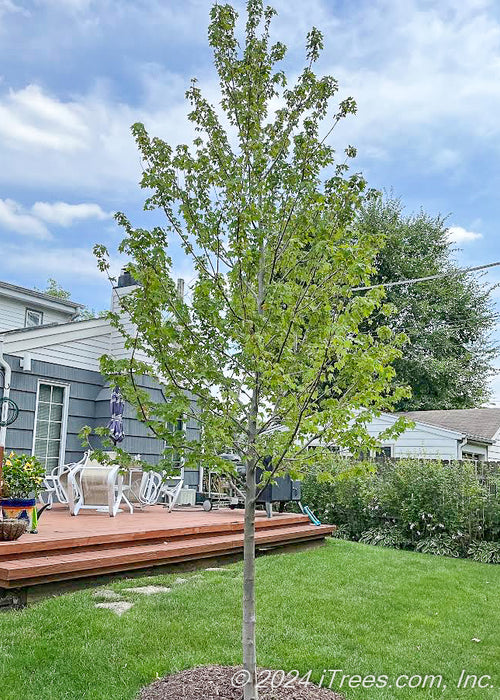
[465, 270]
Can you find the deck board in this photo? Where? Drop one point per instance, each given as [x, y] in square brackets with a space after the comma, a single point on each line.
[92, 544]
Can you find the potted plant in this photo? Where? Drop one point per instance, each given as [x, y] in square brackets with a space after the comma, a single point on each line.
[22, 483]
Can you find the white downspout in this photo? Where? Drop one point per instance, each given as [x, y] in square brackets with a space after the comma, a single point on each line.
[461, 445]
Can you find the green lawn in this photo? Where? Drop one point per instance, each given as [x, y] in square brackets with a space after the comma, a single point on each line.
[364, 610]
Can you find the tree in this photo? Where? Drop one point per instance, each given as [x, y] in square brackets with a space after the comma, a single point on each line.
[449, 321]
[54, 289]
[269, 221]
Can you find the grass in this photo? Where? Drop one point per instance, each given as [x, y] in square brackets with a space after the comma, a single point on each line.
[365, 610]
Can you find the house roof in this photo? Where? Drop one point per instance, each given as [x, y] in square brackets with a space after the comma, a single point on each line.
[13, 290]
[78, 344]
[475, 423]
[48, 333]
[425, 426]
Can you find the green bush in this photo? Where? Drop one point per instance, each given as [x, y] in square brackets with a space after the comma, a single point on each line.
[441, 545]
[342, 500]
[429, 497]
[487, 552]
[428, 505]
[385, 536]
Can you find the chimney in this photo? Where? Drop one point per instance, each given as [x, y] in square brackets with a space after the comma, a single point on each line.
[126, 284]
[126, 280]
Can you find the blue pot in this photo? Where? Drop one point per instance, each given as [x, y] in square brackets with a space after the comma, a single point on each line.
[21, 509]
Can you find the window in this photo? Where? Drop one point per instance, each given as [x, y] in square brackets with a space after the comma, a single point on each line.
[385, 452]
[50, 423]
[170, 452]
[33, 318]
[473, 456]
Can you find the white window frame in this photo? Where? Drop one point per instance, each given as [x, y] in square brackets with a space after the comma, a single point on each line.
[166, 446]
[33, 311]
[64, 422]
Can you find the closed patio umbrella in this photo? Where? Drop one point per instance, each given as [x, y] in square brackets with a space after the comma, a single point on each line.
[115, 425]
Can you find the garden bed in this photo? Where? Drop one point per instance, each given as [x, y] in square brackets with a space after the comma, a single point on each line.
[224, 683]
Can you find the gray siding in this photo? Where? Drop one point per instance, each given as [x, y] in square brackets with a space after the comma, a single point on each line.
[84, 387]
[138, 438]
[88, 405]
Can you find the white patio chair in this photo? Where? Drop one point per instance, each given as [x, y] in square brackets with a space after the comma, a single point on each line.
[171, 492]
[150, 488]
[55, 483]
[93, 486]
[46, 497]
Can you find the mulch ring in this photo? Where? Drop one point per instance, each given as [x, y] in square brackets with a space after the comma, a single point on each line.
[224, 683]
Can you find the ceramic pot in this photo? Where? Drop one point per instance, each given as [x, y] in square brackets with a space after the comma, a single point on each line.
[21, 509]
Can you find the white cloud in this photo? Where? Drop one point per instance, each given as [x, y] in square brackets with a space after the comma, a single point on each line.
[85, 142]
[29, 118]
[13, 218]
[458, 234]
[63, 214]
[10, 7]
[61, 263]
[424, 75]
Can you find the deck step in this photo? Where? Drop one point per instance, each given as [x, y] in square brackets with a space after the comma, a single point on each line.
[29, 545]
[55, 566]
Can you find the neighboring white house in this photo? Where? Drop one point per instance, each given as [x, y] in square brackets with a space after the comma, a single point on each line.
[27, 308]
[479, 426]
[449, 434]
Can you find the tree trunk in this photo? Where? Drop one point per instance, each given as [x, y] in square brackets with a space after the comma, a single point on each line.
[249, 653]
[249, 647]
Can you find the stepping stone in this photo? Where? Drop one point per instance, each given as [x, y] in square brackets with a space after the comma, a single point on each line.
[181, 580]
[107, 594]
[119, 607]
[149, 590]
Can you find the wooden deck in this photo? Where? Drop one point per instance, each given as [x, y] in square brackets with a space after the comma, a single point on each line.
[93, 544]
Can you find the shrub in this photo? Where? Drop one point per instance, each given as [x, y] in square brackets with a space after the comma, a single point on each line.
[441, 545]
[342, 533]
[428, 505]
[385, 536]
[430, 497]
[486, 552]
[342, 499]
[489, 478]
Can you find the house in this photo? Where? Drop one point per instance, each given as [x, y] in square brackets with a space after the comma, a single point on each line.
[56, 381]
[27, 308]
[480, 428]
[448, 434]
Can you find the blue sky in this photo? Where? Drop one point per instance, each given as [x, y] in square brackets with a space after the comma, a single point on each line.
[75, 74]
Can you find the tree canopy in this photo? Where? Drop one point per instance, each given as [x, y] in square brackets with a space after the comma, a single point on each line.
[449, 321]
[54, 289]
[271, 341]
